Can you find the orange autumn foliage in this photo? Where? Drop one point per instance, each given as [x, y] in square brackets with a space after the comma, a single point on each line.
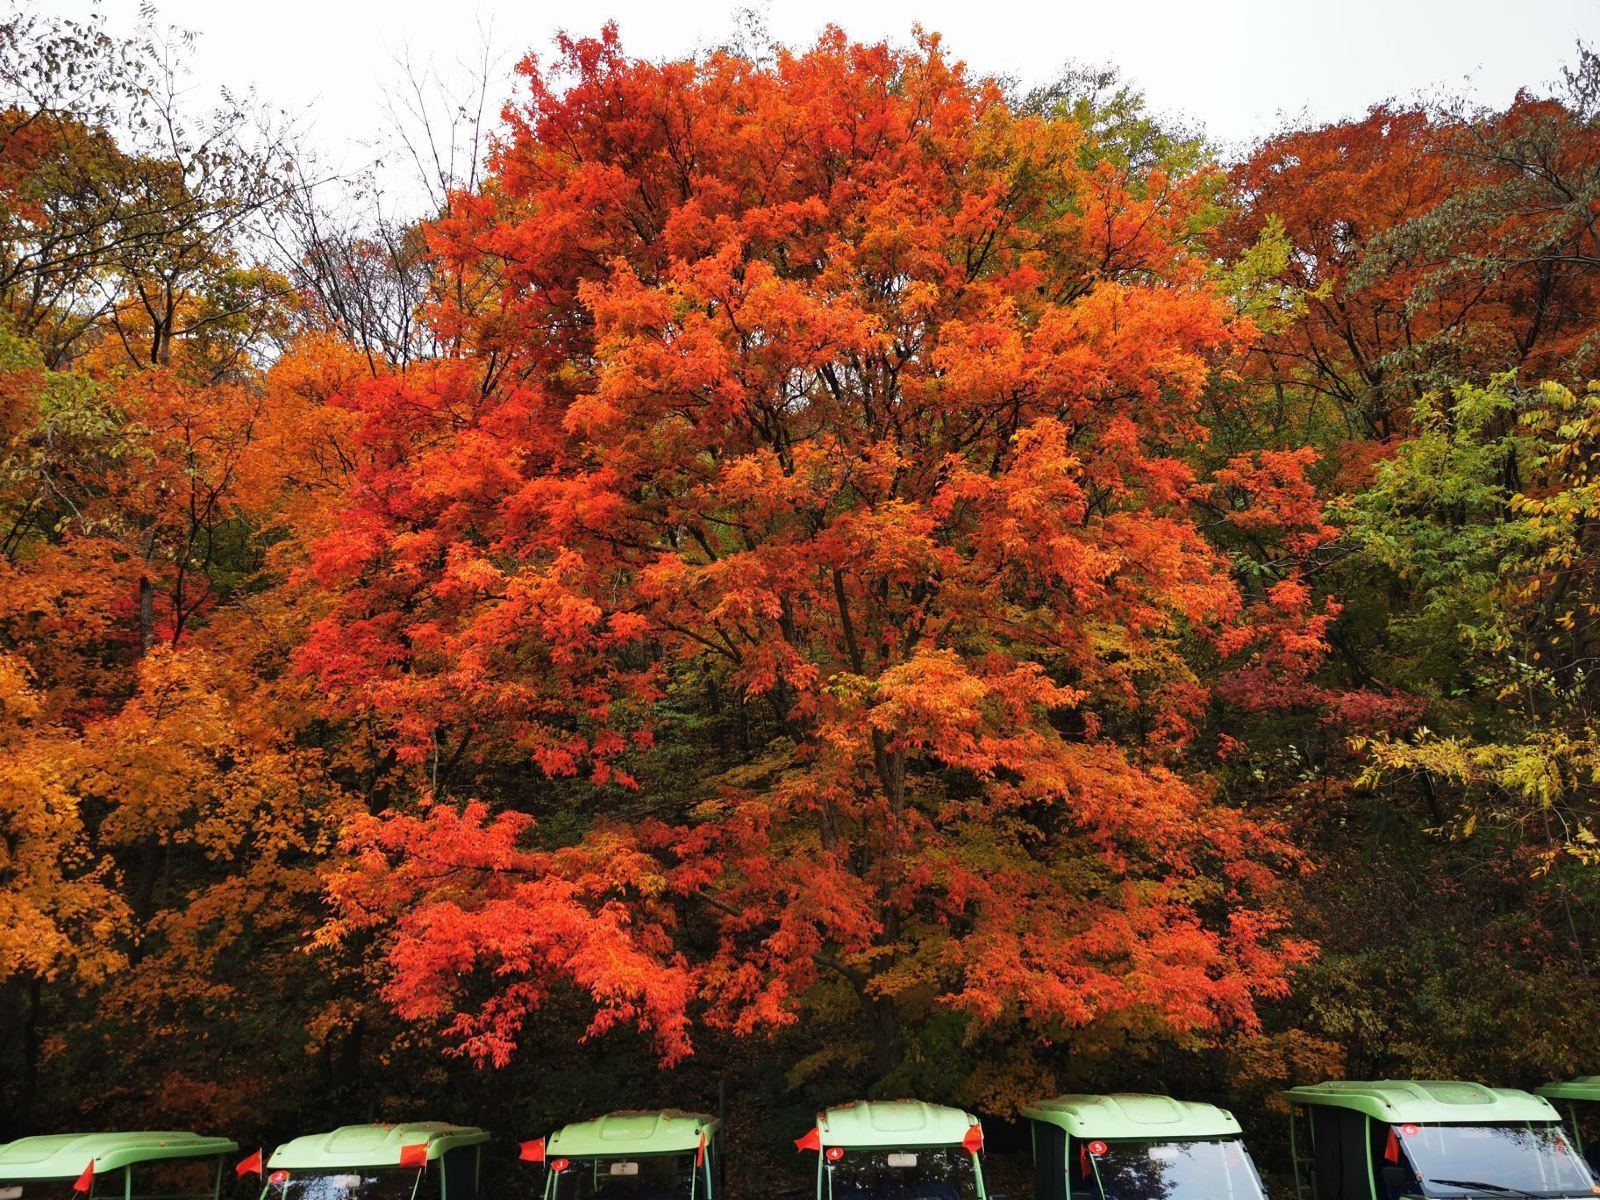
[814, 561]
[161, 818]
[1427, 246]
[842, 383]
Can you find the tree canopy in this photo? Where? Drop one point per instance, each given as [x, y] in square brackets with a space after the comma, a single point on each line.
[811, 570]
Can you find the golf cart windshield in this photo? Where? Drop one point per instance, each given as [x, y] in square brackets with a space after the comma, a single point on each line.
[926, 1173]
[1489, 1160]
[645, 1177]
[354, 1183]
[1212, 1169]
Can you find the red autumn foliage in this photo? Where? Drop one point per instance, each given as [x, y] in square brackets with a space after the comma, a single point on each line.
[844, 382]
[1428, 246]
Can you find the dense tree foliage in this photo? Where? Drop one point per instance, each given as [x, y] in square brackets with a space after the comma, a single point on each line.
[810, 560]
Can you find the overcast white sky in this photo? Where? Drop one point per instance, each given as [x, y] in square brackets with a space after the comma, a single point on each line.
[1233, 65]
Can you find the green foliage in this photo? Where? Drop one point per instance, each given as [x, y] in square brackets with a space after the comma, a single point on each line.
[1439, 522]
[1254, 279]
[1123, 130]
[1482, 521]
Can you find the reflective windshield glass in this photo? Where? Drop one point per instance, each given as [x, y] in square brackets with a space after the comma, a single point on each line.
[1213, 1169]
[937, 1173]
[1456, 1160]
[358, 1183]
[647, 1177]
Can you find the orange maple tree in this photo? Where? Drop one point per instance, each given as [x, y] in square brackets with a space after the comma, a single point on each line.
[163, 816]
[1427, 245]
[845, 384]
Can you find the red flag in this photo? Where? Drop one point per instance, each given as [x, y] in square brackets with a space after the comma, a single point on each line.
[973, 1142]
[414, 1156]
[249, 1166]
[811, 1141]
[531, 1151]
[700, 1151]
[1391, 1148]
[86, 1180]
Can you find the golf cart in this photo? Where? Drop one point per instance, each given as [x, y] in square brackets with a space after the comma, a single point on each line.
[1397, 1139]
[129, 1166]
[665, 1155]
[423, 1160]
[1580, 1098]
[1138, 1147]
[897, 1150]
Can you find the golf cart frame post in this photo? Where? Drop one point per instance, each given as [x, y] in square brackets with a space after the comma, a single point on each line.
[66, 1157]
[895, 1125]
[458, 1149]
[1331, 1125]
[644, 1134]
[1055, 1125]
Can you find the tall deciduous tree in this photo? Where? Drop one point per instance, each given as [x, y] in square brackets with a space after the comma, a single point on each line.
[844, 389]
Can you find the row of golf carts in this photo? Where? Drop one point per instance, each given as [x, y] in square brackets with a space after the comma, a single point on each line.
[1394, 1140]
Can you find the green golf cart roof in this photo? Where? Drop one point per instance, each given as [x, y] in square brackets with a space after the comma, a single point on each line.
[893, 1123]
[1584, 1087]
[371, 1145]
[65, 1155]
[1133, 1115]
[1427, 1102]
[624, 1134]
